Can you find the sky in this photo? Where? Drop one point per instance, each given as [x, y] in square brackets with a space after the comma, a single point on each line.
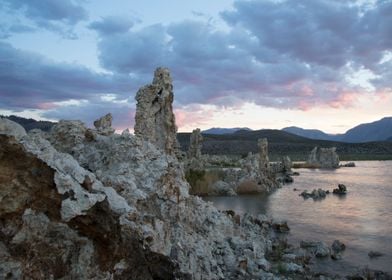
[324, 64]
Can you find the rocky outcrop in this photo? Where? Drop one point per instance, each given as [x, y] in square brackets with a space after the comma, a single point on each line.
[262, 144]
[9, 127]
[323, 158]
[104, 125]
[195, 144]
[154, 120]
[117, 208]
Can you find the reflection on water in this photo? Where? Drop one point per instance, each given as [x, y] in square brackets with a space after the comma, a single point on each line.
[362, 219]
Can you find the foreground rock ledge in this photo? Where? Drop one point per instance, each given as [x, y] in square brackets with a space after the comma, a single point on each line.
[111, 207]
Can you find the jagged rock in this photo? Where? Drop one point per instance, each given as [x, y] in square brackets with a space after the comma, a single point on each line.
[195, 144]
[154, 120]
[323, 158]
[286, 163]
[262, 144]
[114, 207]
[9, 127]
[342, 189]
[104, 125]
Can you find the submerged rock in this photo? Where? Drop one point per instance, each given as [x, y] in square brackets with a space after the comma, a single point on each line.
[342, 189]
[317, 248]
[315, 194]
[375, 254]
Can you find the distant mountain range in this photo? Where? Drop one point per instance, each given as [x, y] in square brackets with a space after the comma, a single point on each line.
[282, 143]
[380, 130]
[220, 131]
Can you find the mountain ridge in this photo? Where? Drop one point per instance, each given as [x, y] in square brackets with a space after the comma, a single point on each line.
[380, 130]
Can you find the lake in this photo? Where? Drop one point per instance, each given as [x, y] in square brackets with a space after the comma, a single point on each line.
[362, 219]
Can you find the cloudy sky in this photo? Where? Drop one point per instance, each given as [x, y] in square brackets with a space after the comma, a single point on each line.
[323, 64]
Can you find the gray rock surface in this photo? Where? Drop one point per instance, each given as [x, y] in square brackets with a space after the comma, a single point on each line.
[262, 144]
[154, 120]
[104, 125]
[323, 158]
[9, 127]
[113, 207]
[195, 145]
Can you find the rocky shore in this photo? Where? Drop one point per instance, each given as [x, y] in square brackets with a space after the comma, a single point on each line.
[86, 203]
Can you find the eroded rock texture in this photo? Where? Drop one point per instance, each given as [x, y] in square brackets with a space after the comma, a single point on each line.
[195, 144]
[154, 120]
[323, 158]
[112, 207]
[263, 156]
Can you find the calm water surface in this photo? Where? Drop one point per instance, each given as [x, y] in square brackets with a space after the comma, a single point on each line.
[362, 219]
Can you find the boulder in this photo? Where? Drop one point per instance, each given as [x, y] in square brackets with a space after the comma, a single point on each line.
[341, 190]
[315, 194]
[221, 188]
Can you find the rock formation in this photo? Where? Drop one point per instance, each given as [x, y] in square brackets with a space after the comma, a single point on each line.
[104, 125]
[154, 120]
[195, 144]
[263, 156]
[323, 158]
[79, 204]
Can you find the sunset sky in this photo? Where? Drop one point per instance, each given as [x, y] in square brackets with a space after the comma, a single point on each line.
[323, 64]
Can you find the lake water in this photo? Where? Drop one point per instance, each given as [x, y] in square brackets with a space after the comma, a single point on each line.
[362, 219]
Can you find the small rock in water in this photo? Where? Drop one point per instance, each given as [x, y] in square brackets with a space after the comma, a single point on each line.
[315, 194]
[342, 189]
[281, 227]
[295, 174]
[338, 246]
[374, 254]
[348, 164]
[336, 256]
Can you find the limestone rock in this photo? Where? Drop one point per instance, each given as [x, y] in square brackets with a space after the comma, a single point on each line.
[104, 125]
[195, 144]
[9, 127]
[263, 155]
[154, 119]
[286, 164]
[323, 158]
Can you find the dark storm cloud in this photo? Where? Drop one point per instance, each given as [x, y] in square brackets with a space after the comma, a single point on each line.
[111, 25]
[28, 80]
[324, 32]
[214, 67]
[55, 16]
